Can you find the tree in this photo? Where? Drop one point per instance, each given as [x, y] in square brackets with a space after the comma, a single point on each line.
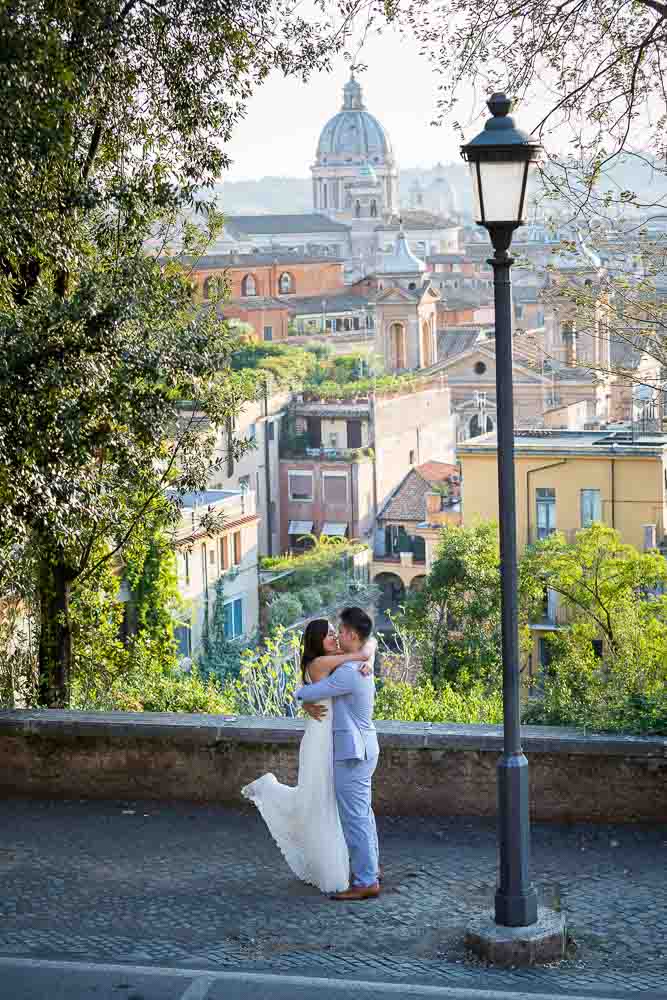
[114, 121]
[617, 598]
[454, 619]
[594, 65]
[598, 577]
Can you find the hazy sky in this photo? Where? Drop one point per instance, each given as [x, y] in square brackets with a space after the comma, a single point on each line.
[284, 119]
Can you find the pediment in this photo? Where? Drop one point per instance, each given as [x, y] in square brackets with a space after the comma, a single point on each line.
[394, 295]
[462, 366]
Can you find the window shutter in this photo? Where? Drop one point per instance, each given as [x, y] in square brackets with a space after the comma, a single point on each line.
[237, 547]
[301, 487]
[238, 617]
[335, 489]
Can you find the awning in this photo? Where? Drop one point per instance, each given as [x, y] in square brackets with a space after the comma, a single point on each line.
[335, 529]
[300, 527]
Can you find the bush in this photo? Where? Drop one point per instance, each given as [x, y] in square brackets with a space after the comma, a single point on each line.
[423, 703]
[285, 610]
[330, 592]
[311, 599]
[269, 677]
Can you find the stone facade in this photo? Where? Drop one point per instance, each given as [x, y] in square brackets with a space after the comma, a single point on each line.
[425, 769]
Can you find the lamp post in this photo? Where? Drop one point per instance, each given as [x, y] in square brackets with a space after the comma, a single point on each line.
[500, 158]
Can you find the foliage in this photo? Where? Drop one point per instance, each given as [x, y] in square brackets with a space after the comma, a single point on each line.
[148, 687]
[624, 692]
[313, 566]
[288, 365]
[597, 577]
[284, 610]
[615, 594]
[364, 386]
[269, 677]
[423, 702]
[98, 339]
[151, 574]
[220, 657]
[454, 620]
[310, 598]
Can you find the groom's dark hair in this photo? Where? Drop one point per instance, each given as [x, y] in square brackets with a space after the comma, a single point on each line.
[357, 619]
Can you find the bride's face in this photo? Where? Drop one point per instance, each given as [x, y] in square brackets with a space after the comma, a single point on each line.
[330, 642]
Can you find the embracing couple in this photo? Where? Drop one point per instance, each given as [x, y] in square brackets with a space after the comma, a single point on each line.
[325, 826]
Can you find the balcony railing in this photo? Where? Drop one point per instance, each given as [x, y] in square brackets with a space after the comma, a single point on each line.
[293, 449]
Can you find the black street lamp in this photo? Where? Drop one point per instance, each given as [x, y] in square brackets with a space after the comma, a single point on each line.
[500, 158]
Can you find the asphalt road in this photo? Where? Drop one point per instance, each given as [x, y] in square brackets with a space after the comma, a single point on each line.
[30, 979]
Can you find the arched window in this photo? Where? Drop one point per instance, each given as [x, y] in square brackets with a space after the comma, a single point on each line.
[248, 285]
[346, 323]
[397, 346]
[324, 196]
[285, 284]
[357, 209]
[427, 346]
[374, 209]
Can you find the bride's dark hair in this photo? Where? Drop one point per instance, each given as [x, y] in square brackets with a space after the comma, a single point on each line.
[313, 643]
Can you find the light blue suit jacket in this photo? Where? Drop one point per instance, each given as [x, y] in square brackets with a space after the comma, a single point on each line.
[354, 735]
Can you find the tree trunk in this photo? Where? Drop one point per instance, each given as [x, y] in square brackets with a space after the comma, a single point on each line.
[55, 638]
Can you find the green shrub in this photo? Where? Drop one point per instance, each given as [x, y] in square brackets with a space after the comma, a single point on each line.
[311, 599]
[423, 703]
[285, 610]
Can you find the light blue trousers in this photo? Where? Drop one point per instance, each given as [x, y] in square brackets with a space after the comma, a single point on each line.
[353, 781]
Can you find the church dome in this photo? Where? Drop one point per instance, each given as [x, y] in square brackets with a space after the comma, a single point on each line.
[353, 133]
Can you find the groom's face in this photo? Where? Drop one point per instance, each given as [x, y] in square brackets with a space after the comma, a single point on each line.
[348, 639]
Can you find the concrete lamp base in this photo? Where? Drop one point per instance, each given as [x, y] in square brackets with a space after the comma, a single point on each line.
[542, 942]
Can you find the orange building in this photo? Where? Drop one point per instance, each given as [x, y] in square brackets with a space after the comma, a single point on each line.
[268, 317]
[266, 274]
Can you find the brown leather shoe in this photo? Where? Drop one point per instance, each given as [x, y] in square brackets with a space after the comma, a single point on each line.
[357, 892]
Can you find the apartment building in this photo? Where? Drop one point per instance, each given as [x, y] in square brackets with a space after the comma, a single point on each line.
[204, 555]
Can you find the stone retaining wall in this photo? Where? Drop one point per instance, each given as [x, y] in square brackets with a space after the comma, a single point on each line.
[426, 769]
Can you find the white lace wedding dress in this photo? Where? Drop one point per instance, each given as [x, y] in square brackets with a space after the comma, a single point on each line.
[303, 820]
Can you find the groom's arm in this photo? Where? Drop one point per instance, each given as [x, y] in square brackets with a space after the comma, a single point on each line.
[342, 681]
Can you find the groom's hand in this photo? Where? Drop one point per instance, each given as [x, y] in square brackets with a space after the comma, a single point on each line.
[315, 711]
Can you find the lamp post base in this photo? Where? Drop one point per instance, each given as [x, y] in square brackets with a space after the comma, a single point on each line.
[544, 941]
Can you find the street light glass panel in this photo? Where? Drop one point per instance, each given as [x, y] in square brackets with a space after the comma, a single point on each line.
[499, 190]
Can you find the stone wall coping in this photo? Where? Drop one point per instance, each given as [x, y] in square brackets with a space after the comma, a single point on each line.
[56, 724]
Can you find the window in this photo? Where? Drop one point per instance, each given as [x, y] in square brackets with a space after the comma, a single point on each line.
[285, 284]
[333, 440]
[591, 507]
[412, 457]
[186, 560]
[270, 430]
[248, 285]
[244, 481]
[335, 488]
[300, 486]
[211, 557]
[357, 209]
[374, 209]
[224, 553]
[354, 433]
[546, 512]
[518, 309]
[237, 548]
[252, 432]
[268, 333]
[183, 637]
[233, 618]
[355, 322]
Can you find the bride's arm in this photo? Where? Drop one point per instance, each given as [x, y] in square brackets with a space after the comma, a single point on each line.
[322, 666]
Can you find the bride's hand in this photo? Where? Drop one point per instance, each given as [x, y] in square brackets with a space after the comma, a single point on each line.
[365, 669]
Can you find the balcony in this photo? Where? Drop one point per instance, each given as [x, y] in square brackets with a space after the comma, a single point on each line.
[296, 449]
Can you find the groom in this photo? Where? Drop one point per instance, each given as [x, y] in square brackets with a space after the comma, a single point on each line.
[355, 752]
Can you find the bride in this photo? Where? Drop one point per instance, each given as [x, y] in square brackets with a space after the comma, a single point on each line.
[303, 820]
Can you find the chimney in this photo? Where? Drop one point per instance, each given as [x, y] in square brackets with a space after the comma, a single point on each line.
[570, 342]
[433, 507]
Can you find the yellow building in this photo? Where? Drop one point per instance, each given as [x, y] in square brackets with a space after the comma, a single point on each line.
[565, 480]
